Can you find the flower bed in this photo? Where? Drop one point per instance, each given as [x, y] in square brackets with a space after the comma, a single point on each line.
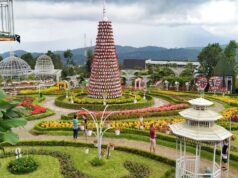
[227, 113]
[161, 125]
[136, 113]
[60, 102]
[50, 90]
[28, 103]
[233, 101]
[126, 98]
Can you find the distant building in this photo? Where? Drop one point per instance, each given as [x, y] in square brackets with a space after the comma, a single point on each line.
[176, 66]
[134, 64]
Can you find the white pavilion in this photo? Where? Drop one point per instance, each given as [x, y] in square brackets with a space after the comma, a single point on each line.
[199, 129]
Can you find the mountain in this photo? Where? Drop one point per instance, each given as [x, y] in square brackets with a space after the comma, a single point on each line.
[128, 52]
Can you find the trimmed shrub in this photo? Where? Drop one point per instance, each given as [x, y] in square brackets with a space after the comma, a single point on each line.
[97, 162]
[137, 170]
[22, 165]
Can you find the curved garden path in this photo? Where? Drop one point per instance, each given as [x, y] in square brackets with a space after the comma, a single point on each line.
[24, 133]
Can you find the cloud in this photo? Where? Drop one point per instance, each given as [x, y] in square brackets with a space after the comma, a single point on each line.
[169, 23]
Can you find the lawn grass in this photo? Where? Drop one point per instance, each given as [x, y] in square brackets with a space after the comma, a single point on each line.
[48, 167]
[112, 169]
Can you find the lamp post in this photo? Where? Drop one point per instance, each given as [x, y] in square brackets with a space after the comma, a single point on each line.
[177, 85]
[187, 84]
[104, 95]
[99, 125]
[145, 90]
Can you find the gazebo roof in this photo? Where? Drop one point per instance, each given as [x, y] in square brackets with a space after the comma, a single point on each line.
[200, 115]
[205, 134]
[200, 102]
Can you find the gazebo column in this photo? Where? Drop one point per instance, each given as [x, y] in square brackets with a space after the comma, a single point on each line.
[197, 160]
[214, 159]
[184, 155]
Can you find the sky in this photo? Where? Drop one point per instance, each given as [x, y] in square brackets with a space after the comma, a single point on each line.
[61, 24]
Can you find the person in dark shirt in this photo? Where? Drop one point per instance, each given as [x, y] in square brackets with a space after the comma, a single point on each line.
[225, 154]
[152, 138]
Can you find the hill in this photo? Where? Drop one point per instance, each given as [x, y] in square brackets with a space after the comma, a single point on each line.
[128, 52]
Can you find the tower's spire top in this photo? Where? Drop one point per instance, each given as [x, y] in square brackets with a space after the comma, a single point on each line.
[104, 11]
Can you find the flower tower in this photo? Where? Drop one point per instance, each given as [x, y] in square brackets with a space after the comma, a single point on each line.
[105, 75]
[200, 129]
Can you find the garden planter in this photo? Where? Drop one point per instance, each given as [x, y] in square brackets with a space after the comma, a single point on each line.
[82, 127]
[89, 133]
[117, 132]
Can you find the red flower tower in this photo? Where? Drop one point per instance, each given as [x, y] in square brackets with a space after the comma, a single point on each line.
[105, 78]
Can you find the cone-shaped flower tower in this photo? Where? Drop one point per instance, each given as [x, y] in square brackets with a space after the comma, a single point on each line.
[105, 76]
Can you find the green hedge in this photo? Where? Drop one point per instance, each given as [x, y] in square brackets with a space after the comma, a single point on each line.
[99, 107]
[80, 144]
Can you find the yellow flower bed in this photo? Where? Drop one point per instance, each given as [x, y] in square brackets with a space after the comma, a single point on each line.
[159, 124]
[227, 113]
[226, 99]
[44, 90]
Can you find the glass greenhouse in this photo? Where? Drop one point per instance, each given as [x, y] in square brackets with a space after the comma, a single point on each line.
[44, 65]
[14, 67]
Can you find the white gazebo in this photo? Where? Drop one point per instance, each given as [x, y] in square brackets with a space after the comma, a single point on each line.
[199, 129]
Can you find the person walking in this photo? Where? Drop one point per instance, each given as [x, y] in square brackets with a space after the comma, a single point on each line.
[225, 147]
[75, 127]
[152, 138]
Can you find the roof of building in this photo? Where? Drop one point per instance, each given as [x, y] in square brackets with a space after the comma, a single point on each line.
[166, 62]
[133, 64]
[200, 102]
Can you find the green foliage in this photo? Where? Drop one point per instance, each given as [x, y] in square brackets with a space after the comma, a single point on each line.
[89, 60]
[68, 55]
[230, 53]
[181, 79]
[22, 165]
[97, 162]
[137, 170]
[209, 57]
[29, 59]
[10, 117]
[158, 72]
[55, 59]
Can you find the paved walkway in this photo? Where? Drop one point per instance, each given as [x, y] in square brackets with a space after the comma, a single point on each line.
[161, 150]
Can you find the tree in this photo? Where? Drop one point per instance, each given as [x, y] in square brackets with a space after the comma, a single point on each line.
[68, 55]
[230, 53]
[29, 59]
[10, 117]
[89, 60]
[209, 57]
[1, 58]
[55, 59]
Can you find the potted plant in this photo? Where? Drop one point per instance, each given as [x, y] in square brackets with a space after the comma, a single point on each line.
[82, 127]
[86, 150]
[89, 133]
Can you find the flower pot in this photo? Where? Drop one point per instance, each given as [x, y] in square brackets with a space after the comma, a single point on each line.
[117, 132]
[89, 133]
[141, 119]
[82, 127]
[141, 127]
[86, 151]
